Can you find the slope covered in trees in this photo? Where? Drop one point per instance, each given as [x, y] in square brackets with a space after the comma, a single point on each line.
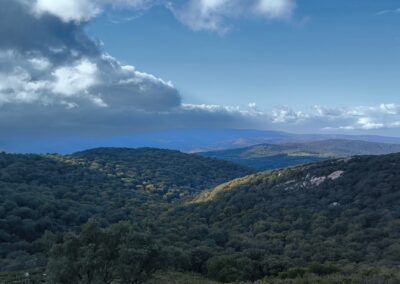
[328, 217]
[272, 156]
[328, 221]
[171, 174]
[40, 193]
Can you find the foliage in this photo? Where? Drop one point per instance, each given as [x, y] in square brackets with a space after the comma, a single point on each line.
[171, 174]
[53, 193]
[276, 161]
[359, 276]
[102, 255]
[328, 222]
[31, 276]
[318, 219]
[174, 277]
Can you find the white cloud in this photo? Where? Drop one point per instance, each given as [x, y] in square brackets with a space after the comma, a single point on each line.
[196, 14]
[361, 117]
[213, 14]
[287, 115]
[251, 111]
[366, 123]
[17, 87]
[58, 79]
[383, 12]
[76, 78]
[53, 81]
[203, 14]
[383, 116]
[98, 81]
[390, 109]
[276, 9]
[252, 105]
[81, 10]
[29, 81]
[40, 63]
[212, 108]
[68, 10]
[59, 65]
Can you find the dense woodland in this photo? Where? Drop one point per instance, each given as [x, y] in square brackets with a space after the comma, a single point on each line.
[277, 223]
[170, 174]
[60, 193]
[328, 222]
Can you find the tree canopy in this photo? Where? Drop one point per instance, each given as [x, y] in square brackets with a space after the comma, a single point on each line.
[330, 221]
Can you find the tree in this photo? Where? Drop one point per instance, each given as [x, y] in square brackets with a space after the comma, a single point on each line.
[98, 255]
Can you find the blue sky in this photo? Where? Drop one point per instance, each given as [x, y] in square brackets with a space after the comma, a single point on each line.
[71, 68]
[336, 53]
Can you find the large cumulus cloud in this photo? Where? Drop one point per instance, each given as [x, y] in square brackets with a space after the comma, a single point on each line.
[53, 76]
[47, 61]
[55, 79]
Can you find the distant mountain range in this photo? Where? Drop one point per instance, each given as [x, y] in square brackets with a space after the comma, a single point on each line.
[187, 140]
[271, 156]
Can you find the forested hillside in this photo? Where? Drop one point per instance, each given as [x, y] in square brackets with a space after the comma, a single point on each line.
[54, 193]
[328, 222]
[170, 174]
[273, 156]
[342, 215]
[334, 221]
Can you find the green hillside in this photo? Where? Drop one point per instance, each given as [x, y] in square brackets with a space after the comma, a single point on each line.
[40, 193]
[337, 216]
[272, 156]
[328, 222]
[170, 174]
[335, 221]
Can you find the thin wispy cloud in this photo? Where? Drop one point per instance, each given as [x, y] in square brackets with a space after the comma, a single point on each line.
[198, 15]
[213, 15]
[392, 11]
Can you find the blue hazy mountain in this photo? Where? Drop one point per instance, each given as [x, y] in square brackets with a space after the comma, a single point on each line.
[187, 140]
[272, 156]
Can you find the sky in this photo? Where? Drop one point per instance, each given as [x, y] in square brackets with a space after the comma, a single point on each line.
[80, 67]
